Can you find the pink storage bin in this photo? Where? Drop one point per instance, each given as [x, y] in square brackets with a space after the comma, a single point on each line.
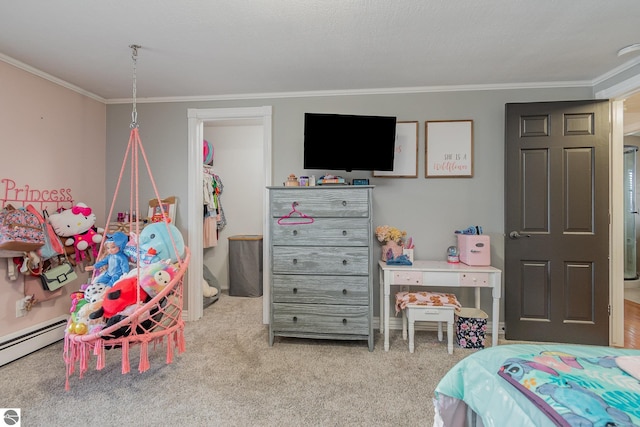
[474, 249]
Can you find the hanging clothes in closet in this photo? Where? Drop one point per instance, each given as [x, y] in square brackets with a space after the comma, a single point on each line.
[214, 219]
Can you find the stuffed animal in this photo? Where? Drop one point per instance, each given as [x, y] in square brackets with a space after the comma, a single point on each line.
[95, 292]
[78, 226]
[116, 261]
[121, 295]
[157, 237]
[76, 297]
[29, 264]
[155, 277]
[89, 315]
[135, 254]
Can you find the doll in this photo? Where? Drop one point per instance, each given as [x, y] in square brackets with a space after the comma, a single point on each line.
[116, 261]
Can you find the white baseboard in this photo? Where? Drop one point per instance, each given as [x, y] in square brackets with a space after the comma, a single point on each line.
[632, 284]
[23, 342]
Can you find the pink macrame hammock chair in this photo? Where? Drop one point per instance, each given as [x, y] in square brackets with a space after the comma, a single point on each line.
[157, 321]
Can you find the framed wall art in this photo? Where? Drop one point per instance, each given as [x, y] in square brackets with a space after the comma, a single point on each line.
[169, 207]
[405, 158]
[449, 149]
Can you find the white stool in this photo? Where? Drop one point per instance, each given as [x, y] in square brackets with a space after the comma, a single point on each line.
[428, 313]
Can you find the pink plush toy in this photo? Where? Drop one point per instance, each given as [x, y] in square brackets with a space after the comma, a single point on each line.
[78, 226]
[156, 276]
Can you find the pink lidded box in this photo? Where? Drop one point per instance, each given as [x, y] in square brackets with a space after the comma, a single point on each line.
[474, 249]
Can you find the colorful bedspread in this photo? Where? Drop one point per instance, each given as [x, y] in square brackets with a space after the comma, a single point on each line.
[579, 391]
[572, 384]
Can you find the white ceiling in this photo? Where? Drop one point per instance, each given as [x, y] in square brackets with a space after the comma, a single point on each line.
[239, 48]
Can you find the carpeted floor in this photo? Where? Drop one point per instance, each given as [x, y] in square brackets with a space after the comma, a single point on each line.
[229, 376]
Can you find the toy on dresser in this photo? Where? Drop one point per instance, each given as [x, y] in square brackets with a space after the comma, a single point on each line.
[78, 226]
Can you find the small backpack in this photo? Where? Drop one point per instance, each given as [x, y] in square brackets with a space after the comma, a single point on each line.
[20, 230]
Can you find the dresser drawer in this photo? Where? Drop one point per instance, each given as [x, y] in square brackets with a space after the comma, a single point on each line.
[339, 290]
[321, 202]
[325, 319]
[323, 231]
[320, 260]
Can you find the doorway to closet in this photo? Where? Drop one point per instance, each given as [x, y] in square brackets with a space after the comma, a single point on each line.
[242, 138]
[618, 93]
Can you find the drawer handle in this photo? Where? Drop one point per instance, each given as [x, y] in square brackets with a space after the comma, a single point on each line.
[295, 232]
[295, 290]
[344, 232]
[344, 262]
[344, 321]
[295, 261]
[344, 292]
[344, 203]
[295, 319]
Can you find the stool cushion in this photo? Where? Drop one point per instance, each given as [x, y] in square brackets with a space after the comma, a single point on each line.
[426, 298]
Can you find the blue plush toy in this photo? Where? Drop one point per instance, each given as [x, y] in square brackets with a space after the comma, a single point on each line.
[116, 261]
[155, 239]
[472, 229]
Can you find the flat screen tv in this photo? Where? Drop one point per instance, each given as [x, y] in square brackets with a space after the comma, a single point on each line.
[349, 142]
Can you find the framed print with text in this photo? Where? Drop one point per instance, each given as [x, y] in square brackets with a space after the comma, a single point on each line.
[405, 157]
[448, 149]
[168, 206]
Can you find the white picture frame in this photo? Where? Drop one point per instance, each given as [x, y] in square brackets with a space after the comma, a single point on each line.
[448, 149]
[155, 212]
[405, 159]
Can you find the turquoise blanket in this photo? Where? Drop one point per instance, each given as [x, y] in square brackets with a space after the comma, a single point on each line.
[579, 391]
[547, 385]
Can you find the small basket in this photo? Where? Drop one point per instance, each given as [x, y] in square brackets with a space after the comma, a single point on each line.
[471, 326]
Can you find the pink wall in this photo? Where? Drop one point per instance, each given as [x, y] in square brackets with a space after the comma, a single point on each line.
[51, 139]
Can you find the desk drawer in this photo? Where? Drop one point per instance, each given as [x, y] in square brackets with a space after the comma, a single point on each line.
[424, 313]
[474, 279]
[407, 278]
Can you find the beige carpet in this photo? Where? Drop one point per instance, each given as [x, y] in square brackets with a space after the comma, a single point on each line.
[229, 376]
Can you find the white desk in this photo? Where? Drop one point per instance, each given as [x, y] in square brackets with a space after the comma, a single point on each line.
[438, 274]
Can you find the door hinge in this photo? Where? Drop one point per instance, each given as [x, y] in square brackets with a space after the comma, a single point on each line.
[609, 309]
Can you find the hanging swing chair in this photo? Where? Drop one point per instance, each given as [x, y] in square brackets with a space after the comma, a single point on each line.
[155, 318]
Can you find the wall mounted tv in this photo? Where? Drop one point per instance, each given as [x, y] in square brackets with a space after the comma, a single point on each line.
[349, 142]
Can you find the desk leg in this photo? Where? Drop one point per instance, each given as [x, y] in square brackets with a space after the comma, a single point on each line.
[495, 320]
[380, 308]
[386, 304]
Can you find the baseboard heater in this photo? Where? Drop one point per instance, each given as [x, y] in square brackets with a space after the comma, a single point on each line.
[21, 343]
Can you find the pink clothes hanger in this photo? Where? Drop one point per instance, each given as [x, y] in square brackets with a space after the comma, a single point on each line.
[295, 217]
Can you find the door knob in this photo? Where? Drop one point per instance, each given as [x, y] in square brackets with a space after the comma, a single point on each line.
[516, 235]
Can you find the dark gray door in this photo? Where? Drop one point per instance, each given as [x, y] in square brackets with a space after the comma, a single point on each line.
[557, 222]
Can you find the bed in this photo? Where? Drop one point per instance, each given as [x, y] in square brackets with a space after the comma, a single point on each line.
[541, 385]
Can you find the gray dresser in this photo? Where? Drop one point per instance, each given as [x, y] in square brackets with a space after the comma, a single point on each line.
[321, 262]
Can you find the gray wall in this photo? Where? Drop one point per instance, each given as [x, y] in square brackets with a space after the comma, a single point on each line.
[428, 209]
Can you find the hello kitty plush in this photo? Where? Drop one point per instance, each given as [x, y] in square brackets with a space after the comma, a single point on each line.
[78, 226]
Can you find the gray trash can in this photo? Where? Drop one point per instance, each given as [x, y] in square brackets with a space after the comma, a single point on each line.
[245, 265]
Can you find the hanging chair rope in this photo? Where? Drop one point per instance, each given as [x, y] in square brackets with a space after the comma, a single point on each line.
[151, 321]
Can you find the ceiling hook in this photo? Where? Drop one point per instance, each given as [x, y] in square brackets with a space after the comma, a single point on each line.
[134, 50]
